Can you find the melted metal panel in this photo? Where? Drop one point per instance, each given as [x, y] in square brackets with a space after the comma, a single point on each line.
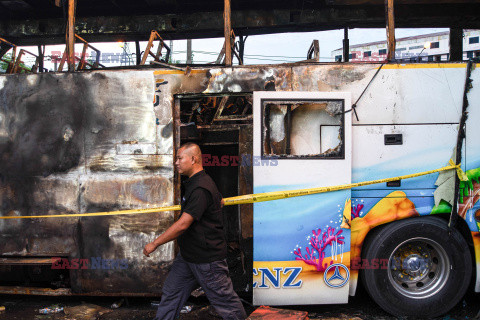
[59, 140]
[249, 79]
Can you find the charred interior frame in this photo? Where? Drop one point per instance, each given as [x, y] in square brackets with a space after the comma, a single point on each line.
[226, 143]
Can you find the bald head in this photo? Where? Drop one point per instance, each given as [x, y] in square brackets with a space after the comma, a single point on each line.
[189, 159]
[192, 149]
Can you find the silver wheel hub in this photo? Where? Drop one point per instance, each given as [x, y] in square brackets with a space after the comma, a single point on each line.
[418, 268]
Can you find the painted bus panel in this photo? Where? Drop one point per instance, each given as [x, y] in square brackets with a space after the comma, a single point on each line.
[301, 237]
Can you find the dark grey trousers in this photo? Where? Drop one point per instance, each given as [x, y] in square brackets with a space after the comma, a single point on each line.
[213, 277]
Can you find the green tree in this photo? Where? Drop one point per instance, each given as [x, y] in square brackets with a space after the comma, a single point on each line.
[7, 59]
[3, 64]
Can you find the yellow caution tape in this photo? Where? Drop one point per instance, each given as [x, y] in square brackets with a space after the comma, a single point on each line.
[110, 213]
[461, 175]
[267, 196]
[259, 197]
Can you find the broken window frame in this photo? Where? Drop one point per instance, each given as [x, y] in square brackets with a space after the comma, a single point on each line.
[219, 118]
[325, 126]
[266, 131]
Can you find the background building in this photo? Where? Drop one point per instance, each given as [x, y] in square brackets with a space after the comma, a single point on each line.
[414, 48]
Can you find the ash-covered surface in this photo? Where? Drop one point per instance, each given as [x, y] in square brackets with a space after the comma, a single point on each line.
[360, 307]
[77, 143]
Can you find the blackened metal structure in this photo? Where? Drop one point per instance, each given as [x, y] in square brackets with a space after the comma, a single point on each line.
[27, 22]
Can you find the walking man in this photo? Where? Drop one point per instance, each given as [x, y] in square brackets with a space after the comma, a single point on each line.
[203, 248]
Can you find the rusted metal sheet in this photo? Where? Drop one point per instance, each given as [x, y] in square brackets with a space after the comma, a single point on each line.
[329, 77]
[245, 179]
[59, 139]
[114, 191]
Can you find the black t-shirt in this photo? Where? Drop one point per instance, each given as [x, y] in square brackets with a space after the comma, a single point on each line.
[197, 204]
[204, 241]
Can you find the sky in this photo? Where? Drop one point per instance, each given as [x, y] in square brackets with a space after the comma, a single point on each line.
[291, 47]
[261, 49]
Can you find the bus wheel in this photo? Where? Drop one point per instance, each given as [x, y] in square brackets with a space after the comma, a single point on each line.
[428, 270]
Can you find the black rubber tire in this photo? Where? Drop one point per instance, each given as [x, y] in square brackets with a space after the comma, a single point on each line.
[382, 243]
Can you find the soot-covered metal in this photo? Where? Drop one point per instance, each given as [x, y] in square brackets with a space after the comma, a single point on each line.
[70, 144]
[104, 140]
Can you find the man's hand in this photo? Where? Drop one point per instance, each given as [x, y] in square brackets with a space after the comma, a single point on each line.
[170, 234]
[149, 248]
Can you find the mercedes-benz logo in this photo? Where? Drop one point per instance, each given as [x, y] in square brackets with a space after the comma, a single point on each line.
[339, 278]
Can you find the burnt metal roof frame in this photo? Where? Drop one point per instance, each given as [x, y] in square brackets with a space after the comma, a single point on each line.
[314, 51]
[246, 22]
[154, 36]
[82, 61]
[18, 68]
[390, 19]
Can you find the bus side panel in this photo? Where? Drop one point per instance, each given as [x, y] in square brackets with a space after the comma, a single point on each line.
[86, 142]
[426, 124]
[471, 204]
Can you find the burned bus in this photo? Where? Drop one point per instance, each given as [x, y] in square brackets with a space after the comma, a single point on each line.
[105, 140]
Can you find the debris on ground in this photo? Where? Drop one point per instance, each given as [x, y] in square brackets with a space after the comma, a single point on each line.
[128, 314]
[186, 309]
[198, 292]
[336, 316]
[207, 312]
[117, 304]
[339, 317]
[268, 313]
[85, 311]
[155, 304]
[51, 310]
[84, 308]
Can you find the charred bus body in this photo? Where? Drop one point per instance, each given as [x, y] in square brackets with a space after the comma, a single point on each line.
[105, 140]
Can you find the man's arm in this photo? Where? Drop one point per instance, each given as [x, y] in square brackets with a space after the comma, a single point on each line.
[172, 233]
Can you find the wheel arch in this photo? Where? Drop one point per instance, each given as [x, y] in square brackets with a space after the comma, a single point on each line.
[461, 226]
[387, 238]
